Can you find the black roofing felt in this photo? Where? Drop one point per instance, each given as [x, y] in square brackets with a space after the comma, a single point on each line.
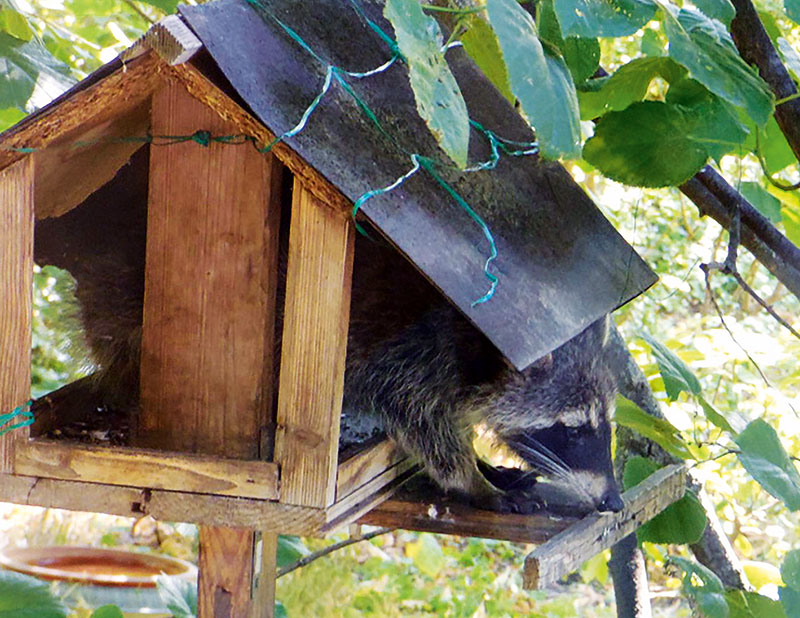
[561, 265]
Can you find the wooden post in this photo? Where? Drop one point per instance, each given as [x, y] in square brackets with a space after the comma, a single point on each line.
[16, 280]
[318, 282]
[209, 313]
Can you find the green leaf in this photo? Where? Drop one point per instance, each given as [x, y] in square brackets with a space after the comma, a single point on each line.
[25, 66]
[653, 43]
[764, 457]
[659, 430]
[649, 144]
[168, 6]
[581, 55]
[705, 48]
[791, 224]
[25, 597]
[427, 554]
[790, 599]
[774, 148]
[790, 57]
[722, 10]
[604, 18]
[14, 23]
[715, 417]
[10, 116]
[681, 522]
[108, 611]
[718, 128]
[290, 550]
[179, 595]
[768, 205]
[540, 81]
[677, 376]
[702, 585]
[630, 83]
[438, 97]
[481, 44]
[280, 610]
[752, 605]
[792, 8]
[790, 569]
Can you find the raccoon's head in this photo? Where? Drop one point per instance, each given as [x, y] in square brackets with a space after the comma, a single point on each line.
[566, 437]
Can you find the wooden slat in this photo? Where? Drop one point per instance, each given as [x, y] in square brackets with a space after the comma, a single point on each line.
[165, 505]
[566, 551]
[429, 512]
[314, 343]
[264, 595]
[142, 468]
[223, 590]
[366, 465]
[84, 159]
[368, 496]
[16, 281]
[209, 287]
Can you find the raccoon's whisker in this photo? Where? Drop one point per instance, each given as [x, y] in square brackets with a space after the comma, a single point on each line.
[542, 457]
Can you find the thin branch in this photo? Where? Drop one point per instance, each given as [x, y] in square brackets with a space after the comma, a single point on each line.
[305, 560]
[707, 268]
[140, 12]
[708, 204]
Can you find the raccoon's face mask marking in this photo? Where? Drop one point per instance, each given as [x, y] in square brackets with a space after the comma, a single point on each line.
[576, 465]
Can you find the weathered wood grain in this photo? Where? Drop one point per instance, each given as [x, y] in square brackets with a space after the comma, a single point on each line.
[164, 505]
[566, 551]
[82, 160]
[173, 40]
[225, 573]
[365, 465]
[317, 310]
[147, 469]
[209, 304]
[16, 289]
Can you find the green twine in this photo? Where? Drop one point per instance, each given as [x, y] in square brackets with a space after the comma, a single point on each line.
[23, 412]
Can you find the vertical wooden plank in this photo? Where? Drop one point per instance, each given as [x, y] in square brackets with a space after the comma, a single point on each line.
[209, 313]
[209, 288]
[264, 598]
[313, 351]
[16, 280]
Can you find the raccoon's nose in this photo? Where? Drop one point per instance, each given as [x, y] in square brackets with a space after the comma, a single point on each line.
[612, 501]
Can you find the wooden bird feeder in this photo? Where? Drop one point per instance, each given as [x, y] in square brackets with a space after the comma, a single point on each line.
[213, 444]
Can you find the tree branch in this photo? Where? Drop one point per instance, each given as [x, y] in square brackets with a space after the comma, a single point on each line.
[305, 560]
[756, 48]
[721, 211]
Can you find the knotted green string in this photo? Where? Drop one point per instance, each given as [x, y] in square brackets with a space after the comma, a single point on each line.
[23, 412]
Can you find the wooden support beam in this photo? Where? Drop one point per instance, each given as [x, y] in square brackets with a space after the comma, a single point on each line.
[165, 505]
[173, 40]
[566, 551]
[209, 287]
[314, 344]
[209, 308]
[147, 469]
[16, 289]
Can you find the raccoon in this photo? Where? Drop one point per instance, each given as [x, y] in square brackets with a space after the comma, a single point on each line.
[413, 362]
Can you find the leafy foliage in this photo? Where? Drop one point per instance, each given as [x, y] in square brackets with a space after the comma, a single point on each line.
[25, 597]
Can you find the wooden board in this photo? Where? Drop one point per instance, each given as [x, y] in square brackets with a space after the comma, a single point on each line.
[82, 160]
[566, 551]
[209, 287]
[314, 343]
[430, 511]
[143, 468]
[366, 465]
[16, 285]
[224, 580]
[165, 505]
[561, 265]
